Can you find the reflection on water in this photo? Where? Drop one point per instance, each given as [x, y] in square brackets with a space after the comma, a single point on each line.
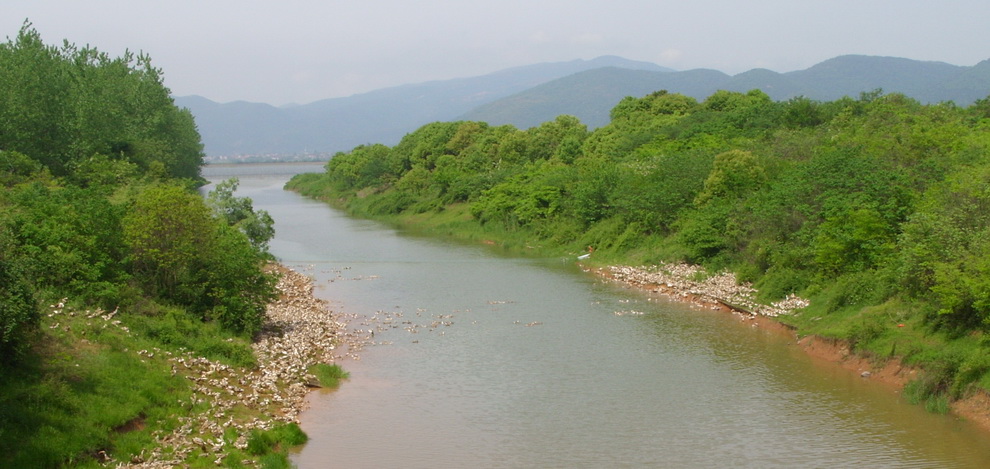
[536, 369]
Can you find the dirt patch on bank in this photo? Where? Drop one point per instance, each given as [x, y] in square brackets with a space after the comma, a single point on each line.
[891, 371]
[975, 408]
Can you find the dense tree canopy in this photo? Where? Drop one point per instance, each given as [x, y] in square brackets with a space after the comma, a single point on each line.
[63, 105]
[98, 169]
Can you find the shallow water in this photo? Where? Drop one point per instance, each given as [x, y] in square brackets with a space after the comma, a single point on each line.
[543, 365]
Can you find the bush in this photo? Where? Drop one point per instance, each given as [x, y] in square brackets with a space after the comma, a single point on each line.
[971, 371]
[779, 282]
[391, 203]
[279, 439]
[857, 289]
[19, 312]
[328, 375]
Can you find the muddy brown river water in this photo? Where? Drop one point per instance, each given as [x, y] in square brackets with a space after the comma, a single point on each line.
[488, 360]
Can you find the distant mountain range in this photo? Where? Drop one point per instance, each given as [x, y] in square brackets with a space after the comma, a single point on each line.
[529, 95]
[381, 116]
[590, 95]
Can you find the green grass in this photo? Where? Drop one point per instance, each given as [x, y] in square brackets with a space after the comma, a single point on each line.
[329, 376]
[278, 439]
[79, 391]
[84, 388]
[176, 330]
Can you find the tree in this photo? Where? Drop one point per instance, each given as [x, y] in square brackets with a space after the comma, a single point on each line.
[734, 174]
[944, 247]
[237, 289]
[182, 254]
[62, 105]
[168, 231]
[34, 85]
[239, 213]
[70, 236]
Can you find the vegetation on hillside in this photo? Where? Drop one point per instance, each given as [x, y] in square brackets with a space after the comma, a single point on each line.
[876, 208]
[99, 213]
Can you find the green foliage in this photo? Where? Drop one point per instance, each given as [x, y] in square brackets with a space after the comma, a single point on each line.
[69, 239]
[239, 213]
[98, 170]
[945, 247]
[237, 289]
[329, 375]
[655, 191]
[857, 290]
[517, 202]
[803, 112]
[278, 439]
[704, 233]
[591, 192]
[391, 203]
[981, 108]
[734, 174]
[778, 282]
[852, 241]
[932, 388]
[19, 313]
[363, 166]
[17, 167]
[875, 206]
[62, 105]
[187, 257]
[168, 231]
[962, 287]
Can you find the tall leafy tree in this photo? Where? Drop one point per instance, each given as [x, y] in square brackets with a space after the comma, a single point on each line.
[168, 230]
[63, 105]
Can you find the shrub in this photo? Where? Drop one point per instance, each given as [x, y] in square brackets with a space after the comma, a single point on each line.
[329, 375]
[18, 311]
[277, 440]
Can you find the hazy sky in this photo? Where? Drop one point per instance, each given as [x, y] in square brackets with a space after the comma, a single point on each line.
[282, 51]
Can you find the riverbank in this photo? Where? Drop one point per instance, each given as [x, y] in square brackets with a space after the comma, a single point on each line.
[688, 283]
[300, 331]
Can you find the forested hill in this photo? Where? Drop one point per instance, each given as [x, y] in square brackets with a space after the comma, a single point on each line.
[528, 96]
[384, 115]
[876, 208]
[590, 95]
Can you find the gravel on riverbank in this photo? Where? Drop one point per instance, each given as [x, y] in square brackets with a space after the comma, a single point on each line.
[691, 283]
[300, 331]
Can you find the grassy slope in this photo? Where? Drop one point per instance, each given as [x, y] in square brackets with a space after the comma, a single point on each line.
[97, 386]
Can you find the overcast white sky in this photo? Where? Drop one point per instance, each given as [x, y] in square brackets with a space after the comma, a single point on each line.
[284, 51]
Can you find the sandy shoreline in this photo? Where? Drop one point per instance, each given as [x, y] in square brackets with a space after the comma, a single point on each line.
[683, 282]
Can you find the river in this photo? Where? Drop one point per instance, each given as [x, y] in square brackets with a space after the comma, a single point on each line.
[483, 359]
